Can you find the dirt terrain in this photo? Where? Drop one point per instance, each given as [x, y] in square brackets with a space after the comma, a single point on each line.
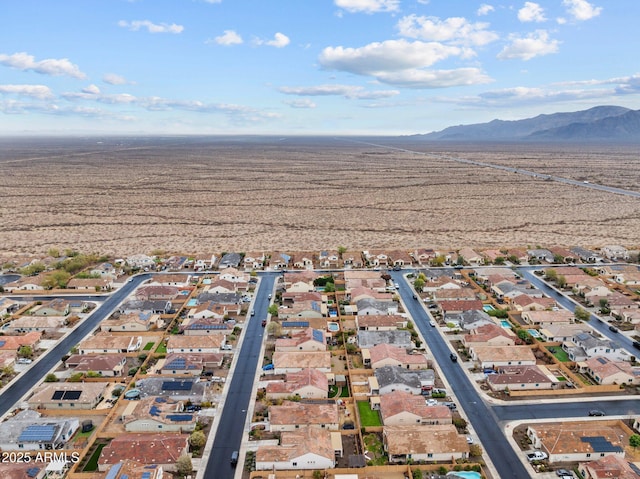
[192, 195]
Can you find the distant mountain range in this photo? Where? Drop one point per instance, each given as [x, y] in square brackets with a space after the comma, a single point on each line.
[601, 123]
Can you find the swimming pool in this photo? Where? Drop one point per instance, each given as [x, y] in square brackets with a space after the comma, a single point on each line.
[464, 474]
[505, 324]
[487, 308]
[534, 333]
[333, 327]
[192, 302]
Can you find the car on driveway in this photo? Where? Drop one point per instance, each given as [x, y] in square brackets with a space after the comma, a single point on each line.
[596, 412]
[537, 456]
[564, 473]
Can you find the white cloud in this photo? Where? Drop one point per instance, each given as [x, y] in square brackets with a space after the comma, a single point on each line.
[581, 9]
[384, 56]
[113, 79]
[300, 103]
[151, 27]
[434, 78]
[368, 6]
[50, 66]
[280, 40]
[402, 63]
[455, 30]
[533, 45]
[531, 12]
[91, 89]
[485, 9]
[40, 92]
[229, 37]
[347, 91]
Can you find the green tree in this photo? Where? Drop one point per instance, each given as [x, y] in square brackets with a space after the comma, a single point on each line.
[197, 439]
[273, 309]
[581, 313]
[418, 284]
[341, 250]
[7, 371]
[274, 329]
[51, 378]
[25, 351]
[499, 260]
[33, 269]
[56, 279]
[513, 259]
[634, 440]
[438, 261]
[551, 274]
[184, 466]
[329, 288]
[475, 450]
[54, 252]
[561, 281]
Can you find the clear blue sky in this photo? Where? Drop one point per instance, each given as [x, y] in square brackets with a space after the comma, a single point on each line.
[308, 66]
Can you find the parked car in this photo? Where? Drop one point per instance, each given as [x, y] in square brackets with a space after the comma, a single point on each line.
[453, 357]
[537, 456]
[415, 296]
[564, 473]
[596, 412]
[253, 313]
[636, 344]
[432, 323]
[613, 329]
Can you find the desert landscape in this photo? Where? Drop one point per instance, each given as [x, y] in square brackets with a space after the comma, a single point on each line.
[210, 194]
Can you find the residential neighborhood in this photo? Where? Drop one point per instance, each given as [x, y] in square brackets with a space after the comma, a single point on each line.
[353, 365]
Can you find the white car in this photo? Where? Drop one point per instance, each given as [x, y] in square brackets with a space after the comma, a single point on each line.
[432, 323]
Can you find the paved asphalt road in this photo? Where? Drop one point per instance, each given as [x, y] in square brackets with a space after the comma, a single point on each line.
[595, 322]
[508, 169]
[481, 416]
[12, 394]
[231, 426]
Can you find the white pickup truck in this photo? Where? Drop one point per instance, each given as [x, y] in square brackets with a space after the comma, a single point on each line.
[537, 456]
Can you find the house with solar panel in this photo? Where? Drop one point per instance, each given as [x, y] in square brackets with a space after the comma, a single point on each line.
[183, 389]
[278, 261]
[157, 413]
[13, 343]
[205, 327]
[67, 395]
[16, 470]
[190, 363]
[303, 309]
[308, 339]
[579, 441]
[30, 431]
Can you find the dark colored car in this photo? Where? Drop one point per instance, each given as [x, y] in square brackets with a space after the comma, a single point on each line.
[596, 412]
[453, 357]
[613, 329]
[636, 344]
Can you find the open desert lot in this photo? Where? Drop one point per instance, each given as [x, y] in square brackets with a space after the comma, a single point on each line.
[207, 194]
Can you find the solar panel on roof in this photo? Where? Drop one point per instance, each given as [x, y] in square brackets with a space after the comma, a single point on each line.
[295, 324]
[318, 336]
[180, 417]
[177, 385]
[72, 395]
[154, 411]
[146, 475]
[161, 399]
[33, 471]
[178, 363]
[38, 433]
[601, 444]
[57, 395]
[601, 360]
[2, 343]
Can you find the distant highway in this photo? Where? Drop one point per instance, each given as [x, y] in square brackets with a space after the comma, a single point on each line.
[521, 171]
